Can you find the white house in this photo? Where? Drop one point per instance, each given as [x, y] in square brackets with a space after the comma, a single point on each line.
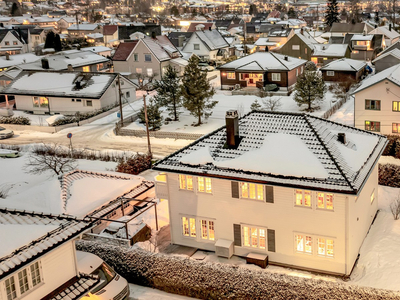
[38, 256]
[390, 36]
[377, 102]
[207, 44]
[55, 92]
[301, 189]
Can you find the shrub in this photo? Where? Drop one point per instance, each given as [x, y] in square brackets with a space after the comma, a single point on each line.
[82, 116]
[389, 175]
[393, 146]
[205, 280]
[15, 120]
[134, 165]
[395, 207]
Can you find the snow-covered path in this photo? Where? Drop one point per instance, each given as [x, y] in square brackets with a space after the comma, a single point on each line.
[345, 114]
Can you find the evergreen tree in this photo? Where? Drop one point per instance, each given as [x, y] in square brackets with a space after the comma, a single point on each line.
[292, 13]
[174, 11]
[153, 115]
[168, 92]
[50, 38]
[331, 13]
[255, 106]
[309, 89]
[57, 42]
[196, 91]
[15, 10]
[253, 9]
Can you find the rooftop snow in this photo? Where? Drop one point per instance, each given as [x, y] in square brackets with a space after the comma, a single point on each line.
[335, 50]
[345, 64]
[283, 149]
[392, 74]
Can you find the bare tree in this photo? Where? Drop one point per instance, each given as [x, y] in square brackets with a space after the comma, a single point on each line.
[145, 82]
[270, 103]
[49, 157]
[395, 207]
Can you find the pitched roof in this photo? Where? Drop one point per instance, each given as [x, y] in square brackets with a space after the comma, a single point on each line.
[83, 27]
[344, 64]
[264, 61]
[392, 34]
[394, 52]
[124, 50]
[174, 37]
[396, 45]
[392, 74]
[109, 29]
[348, 27]
[60, 84]
[29, 235]
[161, 47]
[330, 50]
[212, 39]
[193, 25]
[309, 146]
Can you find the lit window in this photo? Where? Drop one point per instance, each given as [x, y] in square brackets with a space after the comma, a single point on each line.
[204, 185]
[230, 75]
[396, 106]
[186, 182]
[396, 127]
[373, 196]
[373, 104]
[303, 198]
[15, 43]
[303, 243]
[254, 237]
[196, 46]
[295, 47]
[162, 177]
[325, 247]
[149, 72]
[189, 226]
[325, 201]
[252, 191]
[207, 230]
[147, 57]
[7, 43]
[185, 226]
[276, 76]
[330, 73]
[373, 126]
[40, 102]
[139, 70]
[86, 69]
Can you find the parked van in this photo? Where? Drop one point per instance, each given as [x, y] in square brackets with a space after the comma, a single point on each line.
[111, 286]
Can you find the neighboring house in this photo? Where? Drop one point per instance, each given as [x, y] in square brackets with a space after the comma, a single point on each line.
[341, 29]
[293, 23]
[64, 23]
[100, 50]
[260, 69]
[179, 39]
[208, 45]
[365, 46]
[377, 102]
[325, 53]
[149, 29]
[345, 70]
[8, 61]
[82, 30]
[395, 45]
[196, 26]
[12, 42]
[390, 36]
[110, 35]
[55, 92]
[298, 46]
[148, 56]
[229, 191]
[279, 35]
[77, 60]
[387, 60]
[263, 45]
[38, 256]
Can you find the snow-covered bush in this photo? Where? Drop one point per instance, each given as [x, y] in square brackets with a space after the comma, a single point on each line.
[393, 146]
[205, 280]
[389, 175]
[134, 165]
[81, 116]
[15, 120]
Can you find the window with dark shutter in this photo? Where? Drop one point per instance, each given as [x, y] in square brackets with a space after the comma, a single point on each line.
[237, 235]
[271, 240]
[270, 194]
[235, 189]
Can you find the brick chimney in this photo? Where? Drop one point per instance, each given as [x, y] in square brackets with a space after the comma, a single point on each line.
[342, 138]
[232, 129]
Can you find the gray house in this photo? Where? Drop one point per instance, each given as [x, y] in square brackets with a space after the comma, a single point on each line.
[387, 60]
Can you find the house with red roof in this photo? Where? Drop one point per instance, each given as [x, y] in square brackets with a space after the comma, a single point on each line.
[110, 35]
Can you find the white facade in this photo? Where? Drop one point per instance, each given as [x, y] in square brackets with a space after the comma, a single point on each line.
[345, 225]
[376, 108]
[56, 268]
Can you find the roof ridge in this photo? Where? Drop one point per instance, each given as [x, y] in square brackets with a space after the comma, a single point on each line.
[328, 152]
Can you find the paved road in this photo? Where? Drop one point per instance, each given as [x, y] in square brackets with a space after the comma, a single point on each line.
[97, 137]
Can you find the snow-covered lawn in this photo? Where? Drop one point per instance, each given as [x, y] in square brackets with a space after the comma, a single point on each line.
[138, 292]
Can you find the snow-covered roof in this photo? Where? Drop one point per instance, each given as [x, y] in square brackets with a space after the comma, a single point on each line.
[95, 35]
[345, 64]
[328, 50]
[395, 53]
[392, 74]
[287, 149]
[97, 49]
[392, 34]
[264, 61]
[89, 27]
[56, 84]
[212, 39]
[25, 236]
[264, 42]
[17, 59]
[361, 37]
[161, 47]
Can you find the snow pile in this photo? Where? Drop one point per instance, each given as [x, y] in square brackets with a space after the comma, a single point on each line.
[201, 156]
[205, 280]
[54, 118]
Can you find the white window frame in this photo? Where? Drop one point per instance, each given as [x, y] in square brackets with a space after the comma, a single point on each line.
[149, 72]
[303, 198]
[304, 239]
[185, 180]
[295, 47]
[276, 76]
[315, 245]
[248, 185]
[191, 233]
[196, 233]
[325, 254]
[209, 224]
[248, 243]
[205, 180]
[330, 73]
[31, 286]
[324, 206]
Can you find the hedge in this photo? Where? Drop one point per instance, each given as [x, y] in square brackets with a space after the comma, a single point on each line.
[393, 146]
[205, 280]
[82, 116]
[15, 120]
[389, 175]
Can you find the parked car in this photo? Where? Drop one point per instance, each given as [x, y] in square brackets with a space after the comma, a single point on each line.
[205, 67]
[5, 133]
[111, 285]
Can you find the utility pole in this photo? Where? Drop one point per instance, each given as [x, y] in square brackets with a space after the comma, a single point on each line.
[147, 126]
[120, 100]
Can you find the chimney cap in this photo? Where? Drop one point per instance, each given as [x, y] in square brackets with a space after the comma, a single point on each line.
[232, 113]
